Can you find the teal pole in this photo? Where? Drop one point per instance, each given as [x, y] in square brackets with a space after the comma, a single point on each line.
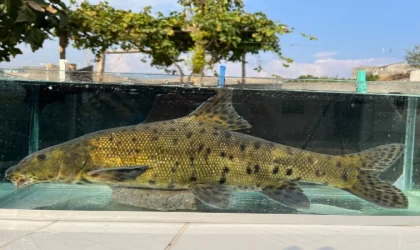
[361, 85]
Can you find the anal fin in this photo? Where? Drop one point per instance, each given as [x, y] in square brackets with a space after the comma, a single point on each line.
[216, 196]
[289, 194]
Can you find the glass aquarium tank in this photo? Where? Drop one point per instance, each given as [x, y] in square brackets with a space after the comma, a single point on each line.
[275, 148]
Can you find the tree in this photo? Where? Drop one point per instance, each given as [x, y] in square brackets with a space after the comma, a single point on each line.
[212, 30]
[413, 56]
[28, 22]
[223, 30]
[101, 27]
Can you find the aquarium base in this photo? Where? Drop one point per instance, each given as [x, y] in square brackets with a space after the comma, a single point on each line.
[212, 218]
[29, 229]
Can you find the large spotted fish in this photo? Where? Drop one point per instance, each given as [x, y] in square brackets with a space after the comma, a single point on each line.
[202, 153]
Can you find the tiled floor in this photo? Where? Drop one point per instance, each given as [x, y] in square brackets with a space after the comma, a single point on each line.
[81, 235]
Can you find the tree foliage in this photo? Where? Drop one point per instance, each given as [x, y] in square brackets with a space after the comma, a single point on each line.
[223, 30]
[212, 30]
[30, 22]
[101, 27]
[413, 56]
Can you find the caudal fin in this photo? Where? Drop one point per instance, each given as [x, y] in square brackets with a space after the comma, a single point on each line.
[369, 187]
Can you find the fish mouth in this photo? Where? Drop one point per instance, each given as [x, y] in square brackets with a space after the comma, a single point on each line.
[20, 181]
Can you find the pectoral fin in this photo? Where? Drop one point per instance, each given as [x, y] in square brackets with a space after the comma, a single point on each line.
[289, 194]
[120, 174]
[215, 196]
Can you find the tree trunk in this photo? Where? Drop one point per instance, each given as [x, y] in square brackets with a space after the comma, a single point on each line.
[243, 61]
[63, 42]
[101, 68]
[181, 72]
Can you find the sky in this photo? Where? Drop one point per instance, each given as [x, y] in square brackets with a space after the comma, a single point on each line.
[351, 34]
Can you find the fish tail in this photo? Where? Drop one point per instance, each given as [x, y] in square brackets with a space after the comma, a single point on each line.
[369, 187]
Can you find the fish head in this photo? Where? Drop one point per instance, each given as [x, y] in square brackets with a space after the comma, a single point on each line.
[59, 163]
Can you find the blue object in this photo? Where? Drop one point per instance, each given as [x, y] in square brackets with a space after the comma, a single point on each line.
[222, 76]
[361, 85]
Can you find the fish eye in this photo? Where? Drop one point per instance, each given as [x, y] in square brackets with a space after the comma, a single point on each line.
[41, 157]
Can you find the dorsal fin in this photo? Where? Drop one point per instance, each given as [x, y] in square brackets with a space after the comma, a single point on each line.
[218, 110]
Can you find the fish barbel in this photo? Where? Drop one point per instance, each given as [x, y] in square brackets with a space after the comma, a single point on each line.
[202, 153]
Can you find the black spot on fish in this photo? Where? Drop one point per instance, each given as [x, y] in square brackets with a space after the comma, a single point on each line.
[155, 131]
[137, 150]
[344, 177]
[289, 172]
[339, 164]
[289, 151]
[319, 173]
[201, 123]
[248, 170]
[172, 129]
[175, 141]
[208, 150]
[226, 170]
[200, 147]
[310, 160]
[192, 159]
[276, 170]
[256, 168]
[242, 147]
[152, 182]
[193, 178]
[175, 167]
[257, 145]
[202, 131]
[134, 139]
[189, 134]
[223, 154]
[227, 134]
[41, 157]
[230, 157]
[111, 138]
[215, 133]
[222, 180]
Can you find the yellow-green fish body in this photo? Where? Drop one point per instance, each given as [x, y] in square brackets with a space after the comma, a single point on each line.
[203, 153]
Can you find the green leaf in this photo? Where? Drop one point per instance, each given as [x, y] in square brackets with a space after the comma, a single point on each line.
[64, 19]
[25, 15]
